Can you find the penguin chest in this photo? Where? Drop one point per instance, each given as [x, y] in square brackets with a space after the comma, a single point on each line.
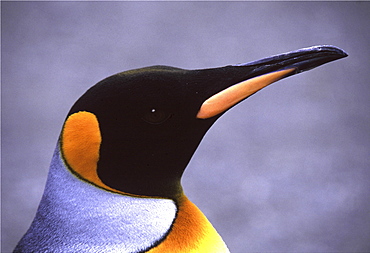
[191, 232]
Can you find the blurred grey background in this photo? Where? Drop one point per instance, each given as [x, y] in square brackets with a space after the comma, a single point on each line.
[287, 170]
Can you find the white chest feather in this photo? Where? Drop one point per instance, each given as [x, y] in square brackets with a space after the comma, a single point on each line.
[75, 216]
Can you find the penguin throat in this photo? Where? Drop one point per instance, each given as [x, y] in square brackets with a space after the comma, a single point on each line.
[141, 178]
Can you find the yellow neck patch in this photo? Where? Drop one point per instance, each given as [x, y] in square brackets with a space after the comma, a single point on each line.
[80, 144]
[191, 233]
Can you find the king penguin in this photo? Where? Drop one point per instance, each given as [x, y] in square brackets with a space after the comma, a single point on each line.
[114, 184]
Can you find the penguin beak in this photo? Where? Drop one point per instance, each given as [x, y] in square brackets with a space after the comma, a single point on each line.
[265, 72]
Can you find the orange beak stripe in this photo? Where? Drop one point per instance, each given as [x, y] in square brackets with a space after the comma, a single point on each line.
[225, 99]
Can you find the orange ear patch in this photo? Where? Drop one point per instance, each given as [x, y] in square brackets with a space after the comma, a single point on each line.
[80, 146]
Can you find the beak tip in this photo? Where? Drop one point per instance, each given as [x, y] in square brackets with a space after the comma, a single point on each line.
[317, 55]
[338, 51]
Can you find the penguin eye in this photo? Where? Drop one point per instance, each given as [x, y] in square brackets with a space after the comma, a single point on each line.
[156, 116]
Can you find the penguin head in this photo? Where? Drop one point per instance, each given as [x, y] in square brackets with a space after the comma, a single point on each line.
[135, 132]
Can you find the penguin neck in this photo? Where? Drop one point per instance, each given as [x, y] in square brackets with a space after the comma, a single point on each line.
[92, 219]
[84, 213]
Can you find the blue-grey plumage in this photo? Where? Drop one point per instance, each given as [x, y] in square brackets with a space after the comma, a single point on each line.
[75, 216]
